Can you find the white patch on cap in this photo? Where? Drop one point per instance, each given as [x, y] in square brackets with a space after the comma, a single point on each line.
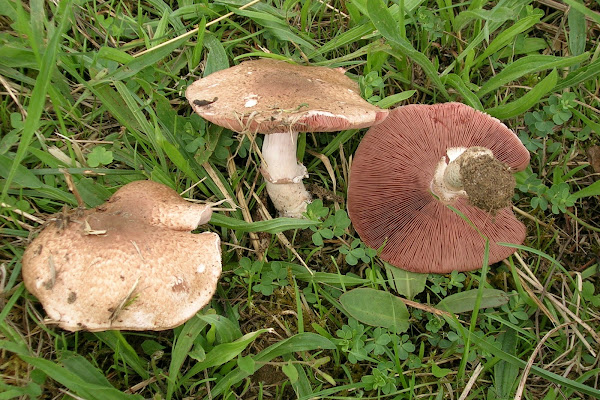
[139, 319]
[201, 268]
[212, 86]
[251, 100]
[324, 114]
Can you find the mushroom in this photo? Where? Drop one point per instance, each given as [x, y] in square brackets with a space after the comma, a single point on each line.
[430, 182]
[129, 264]
[281, 99]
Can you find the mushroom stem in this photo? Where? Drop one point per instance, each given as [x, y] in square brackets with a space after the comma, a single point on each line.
[474, 173]
[453, 179]
[284, 174]
[182, 216]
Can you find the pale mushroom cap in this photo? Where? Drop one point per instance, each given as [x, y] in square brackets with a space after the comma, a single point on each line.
[269, 96]
[390, 200]
[137, 275]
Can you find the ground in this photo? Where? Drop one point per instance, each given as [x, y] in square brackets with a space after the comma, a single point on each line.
[93, 98]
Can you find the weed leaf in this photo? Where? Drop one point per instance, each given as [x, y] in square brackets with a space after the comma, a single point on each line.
[407, 283]
[376, 308]
[465, 301]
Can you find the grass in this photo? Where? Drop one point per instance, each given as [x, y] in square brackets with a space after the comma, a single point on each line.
[94, 91]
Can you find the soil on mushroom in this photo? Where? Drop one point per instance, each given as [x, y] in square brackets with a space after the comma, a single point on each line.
[489, 183]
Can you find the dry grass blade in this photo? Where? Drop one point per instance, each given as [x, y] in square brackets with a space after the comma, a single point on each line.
[137, 249]
[13, 96]
[192, 187]
[428, 308]
[215, 178]
[523, 381]
[327, 165]
[87, 230]
[49, 284]
[136, 388]
[72, 187]
[471, 382]
[561, 308]
[537, 221]
[2, 277]
[280, 236]
[532, 295]
[244, 208]
[22, 213]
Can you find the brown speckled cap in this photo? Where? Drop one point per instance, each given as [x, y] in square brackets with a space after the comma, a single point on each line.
[268, 96]
[129, 264]
[390, 200]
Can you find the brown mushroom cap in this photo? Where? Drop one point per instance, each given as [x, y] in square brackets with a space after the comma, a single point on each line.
[129, 264]
[390, 199]
[270, 96]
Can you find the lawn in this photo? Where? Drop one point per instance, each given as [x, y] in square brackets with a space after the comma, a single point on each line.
[93, 97]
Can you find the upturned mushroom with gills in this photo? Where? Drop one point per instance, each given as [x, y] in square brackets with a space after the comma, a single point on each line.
[431, 182]
[280, 100]
[129, 264]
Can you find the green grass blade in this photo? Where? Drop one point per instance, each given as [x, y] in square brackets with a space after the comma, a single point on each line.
[508, 35]
[38, 95]
[224, 352]
[275, 225]
[350, 36]
[301, 342]
[519, 106]
[226, 329]
[117, 342]
[591, 190]
[467, 300]
[117, 107]
[385, 309]
[278, 27]
[386, 25]
[595, 126]
[81, 367]
[577, 31]
[582, 74]
[152, 57]
[482, 280]
[183, 344]
[511, 359]
[407, 283]
[468, 96]
[392, 100]
[6, 329]
[76, 383]
[23, 177]
[528, 65]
